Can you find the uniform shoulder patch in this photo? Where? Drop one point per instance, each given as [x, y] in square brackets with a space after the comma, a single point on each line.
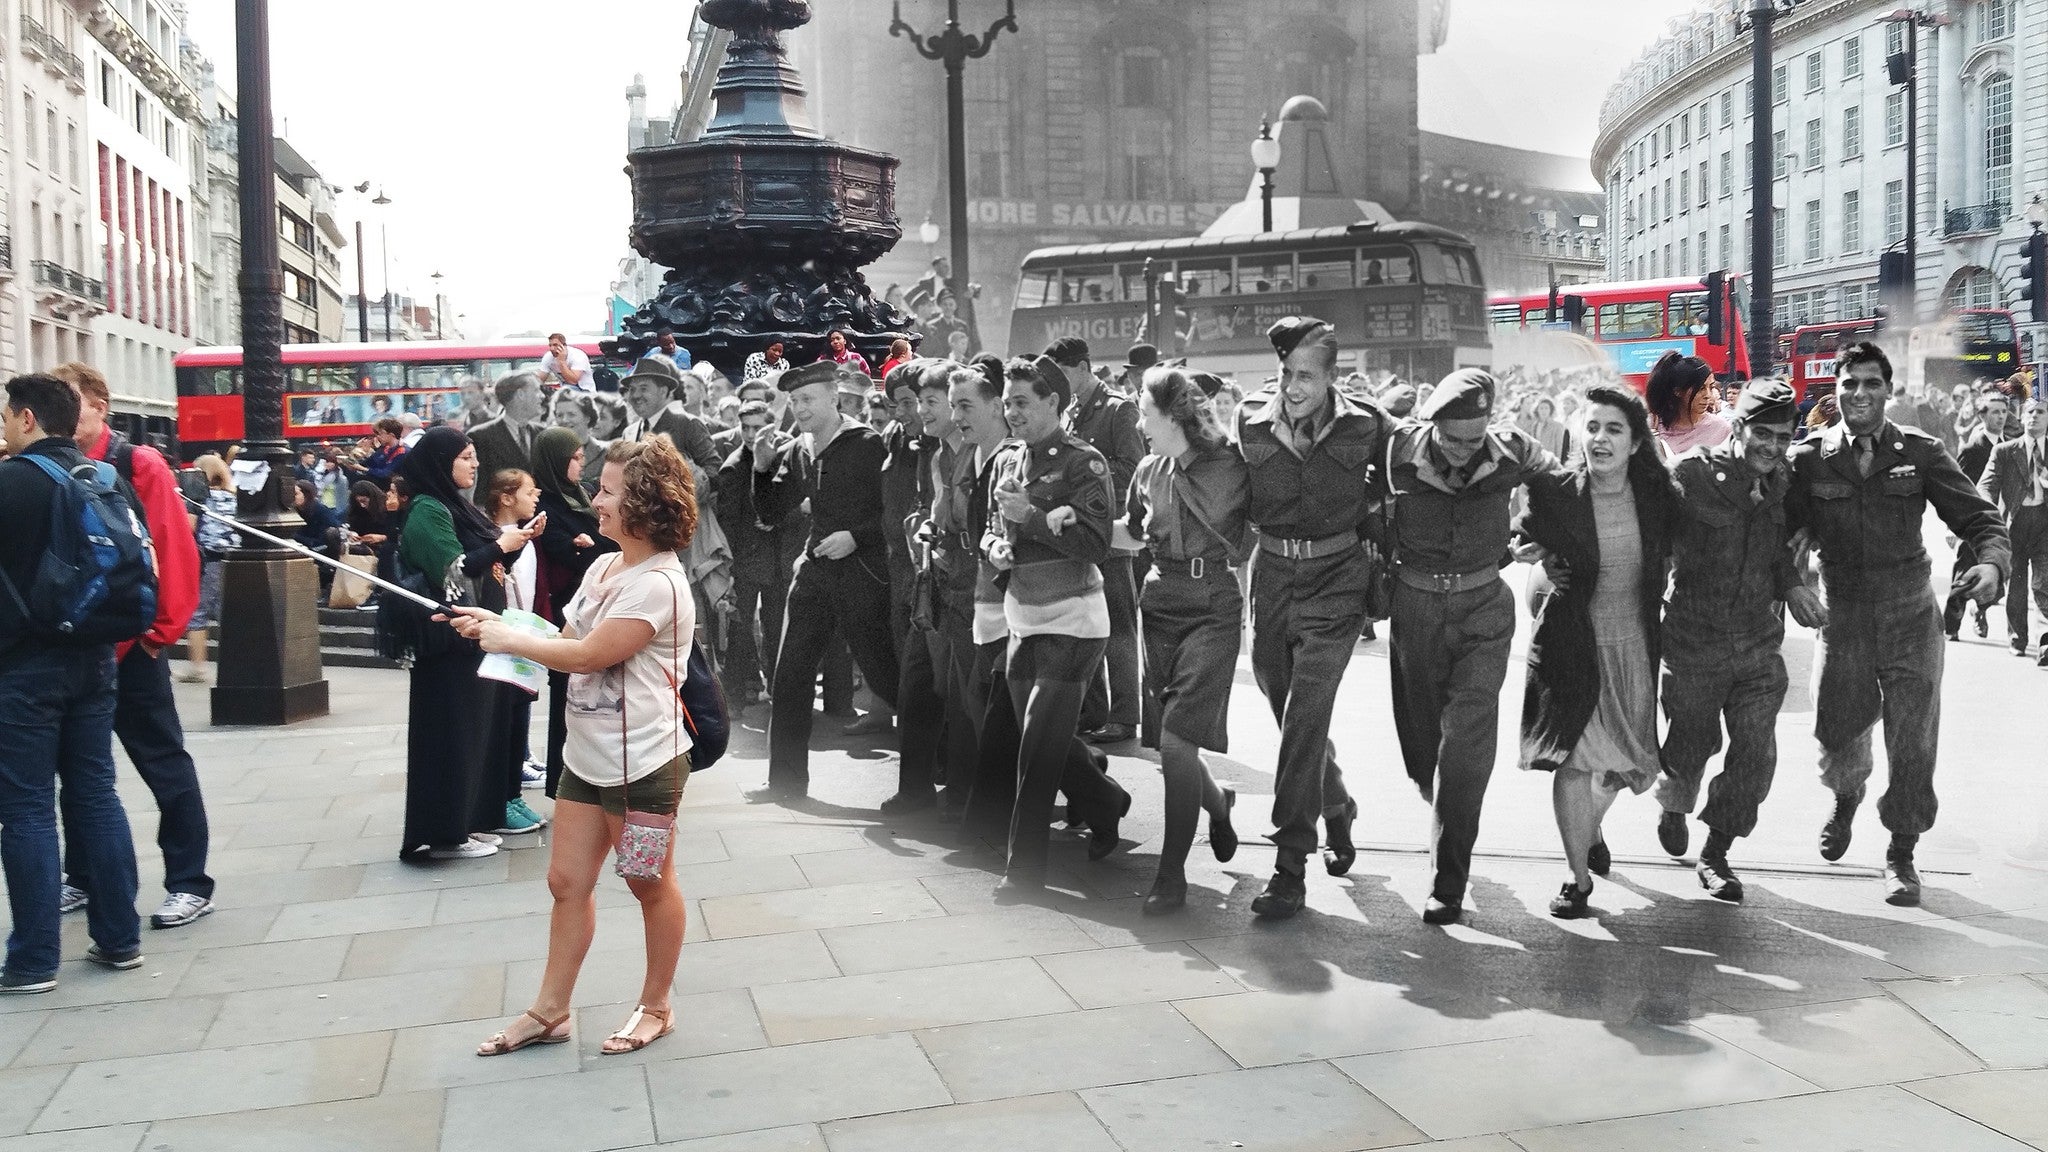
[1096, 466]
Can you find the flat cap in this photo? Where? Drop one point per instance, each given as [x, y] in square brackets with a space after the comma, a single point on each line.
[1767, 401]
[823, 372]
[1288, 333]
[1466, 394]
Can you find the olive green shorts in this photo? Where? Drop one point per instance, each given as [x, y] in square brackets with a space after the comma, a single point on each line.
[657, 793]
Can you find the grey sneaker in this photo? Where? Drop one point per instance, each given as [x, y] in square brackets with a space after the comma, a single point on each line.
[13, 985]
[119, 961]
[180, 909]
[71, 899]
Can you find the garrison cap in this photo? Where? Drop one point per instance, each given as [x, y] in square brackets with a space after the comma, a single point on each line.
[1208, 382]
[1767, 401]
[1055, 377]
[1466, 394]
[1288, 333]
[823, 372]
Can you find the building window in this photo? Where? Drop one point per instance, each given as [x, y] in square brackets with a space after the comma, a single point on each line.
[1142, 80]
[1143, 126]
[1684, 256]
[1668, 149]
[1727, 245]
[1778, 239]
[1685, 127]
[1749, 165]
[1684, 191]
[1994, 19]
[989, 149]
[1895, 119]
[1852, 57]
[1779, 164]
[1815, 142]
[71, 152]
[141, 115]
[1894, 38]
[1727, 108]
[1813, 234]
[1703, 188]
[1816, 72]
[1852, 223]
[54, 156]
[1781, 84]
[1894, 212]
[1668, 269]
[1998, 139]
[1667, 198]
[1852, 132]
[107, 85]
[1727, 174]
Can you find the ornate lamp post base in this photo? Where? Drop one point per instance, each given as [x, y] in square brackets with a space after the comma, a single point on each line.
[270, 646]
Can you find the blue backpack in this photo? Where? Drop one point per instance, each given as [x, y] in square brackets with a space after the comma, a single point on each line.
[96, 582]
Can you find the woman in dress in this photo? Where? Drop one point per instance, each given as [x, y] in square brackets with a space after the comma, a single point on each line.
[1187, 504]
[568, 545]
[627, 639]
[451, 714]
[1589, 715]
[1683, 396]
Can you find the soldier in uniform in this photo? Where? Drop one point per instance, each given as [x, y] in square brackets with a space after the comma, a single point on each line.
[1314, 455]
[917, 442]
[1048, 530]
[1732, 568]
[1108, 423]
[1451, 477]
[843, 575]
[1859, 492]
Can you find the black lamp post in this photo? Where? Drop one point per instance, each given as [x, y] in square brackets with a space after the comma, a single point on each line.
[384, 250]
[1904, 69]
[1763, 344]
[1266, 158]
[955, 48]
[436, 278]
[270, 631]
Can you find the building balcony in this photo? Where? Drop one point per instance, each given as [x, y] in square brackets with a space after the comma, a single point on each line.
[67, 292]
[6, 254]
[61, 61]
[1974, 218]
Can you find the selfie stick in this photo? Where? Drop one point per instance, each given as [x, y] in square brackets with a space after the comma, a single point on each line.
[331, 562]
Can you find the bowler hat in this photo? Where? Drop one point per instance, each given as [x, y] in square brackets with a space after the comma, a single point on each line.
[1141, 357]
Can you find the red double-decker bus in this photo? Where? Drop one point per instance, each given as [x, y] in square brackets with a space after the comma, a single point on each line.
[335, 391]
[1635, 323]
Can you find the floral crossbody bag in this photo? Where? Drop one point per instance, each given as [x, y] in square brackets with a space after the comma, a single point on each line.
[645, 837]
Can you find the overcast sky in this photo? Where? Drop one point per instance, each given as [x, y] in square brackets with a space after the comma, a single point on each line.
[497, 127]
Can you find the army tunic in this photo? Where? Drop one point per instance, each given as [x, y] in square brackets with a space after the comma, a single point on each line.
[1108, 423]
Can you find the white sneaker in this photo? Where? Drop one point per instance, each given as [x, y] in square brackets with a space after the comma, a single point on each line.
[180, 909]
[71, 899]
[467, 850]
[487, 838]
[532, 775]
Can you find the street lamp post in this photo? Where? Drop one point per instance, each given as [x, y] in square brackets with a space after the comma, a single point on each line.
[1904, 69]
[270, 632]
[1763, 221]
[436, 278]
[955, 48]
[1266, 158]
[384, 250]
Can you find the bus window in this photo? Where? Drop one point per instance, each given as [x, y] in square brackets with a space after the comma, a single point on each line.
[420, 377]
[1389, 266]
[1688, 313]
[1092, 284]
[209, 381]
[1035, 290]
[1132, 277]
[1635, 320]
[1332, 269]
[318, 378]
[1205, 277]
[1508, 316]
[1453, 267]
[1274, 273]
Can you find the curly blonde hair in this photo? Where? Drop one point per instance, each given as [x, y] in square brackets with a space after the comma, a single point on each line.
[659, 502]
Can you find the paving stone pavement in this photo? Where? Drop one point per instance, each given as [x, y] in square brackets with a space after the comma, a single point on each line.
[850, 984]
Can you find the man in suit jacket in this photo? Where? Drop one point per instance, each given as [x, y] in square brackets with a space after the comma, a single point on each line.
[507, 441]
[1988, 416]
[651, 390]
[2016, 479]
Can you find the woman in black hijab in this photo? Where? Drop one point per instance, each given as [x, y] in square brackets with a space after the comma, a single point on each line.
[456, 733]
[568, 543]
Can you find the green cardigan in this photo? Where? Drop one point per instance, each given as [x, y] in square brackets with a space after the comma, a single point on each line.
[428, 544]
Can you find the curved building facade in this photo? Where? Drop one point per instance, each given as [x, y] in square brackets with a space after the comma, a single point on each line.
[1673, 152]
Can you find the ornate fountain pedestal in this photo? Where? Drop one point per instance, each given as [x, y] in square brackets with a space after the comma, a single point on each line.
[763, 223]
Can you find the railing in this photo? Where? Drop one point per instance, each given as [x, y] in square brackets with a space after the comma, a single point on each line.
[38, 40]
[1975, 218]
[51, 274]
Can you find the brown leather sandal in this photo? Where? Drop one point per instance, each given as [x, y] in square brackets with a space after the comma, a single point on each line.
[635, 1043]
[500, 1044]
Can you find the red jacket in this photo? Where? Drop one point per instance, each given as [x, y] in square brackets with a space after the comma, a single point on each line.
[170, 532]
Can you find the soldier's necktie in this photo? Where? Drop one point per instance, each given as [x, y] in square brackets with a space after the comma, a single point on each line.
[1866, 456]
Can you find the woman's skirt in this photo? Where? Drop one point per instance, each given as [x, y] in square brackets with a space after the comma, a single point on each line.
[1619, 746]
[1194, 629]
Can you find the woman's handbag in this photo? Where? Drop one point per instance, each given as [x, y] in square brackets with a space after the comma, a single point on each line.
[645, 837]
[349, 589]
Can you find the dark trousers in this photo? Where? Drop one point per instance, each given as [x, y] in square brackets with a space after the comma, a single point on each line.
[1882, 659]
[56, 723]
[2029, 568]
[1449, 658]
[987, 694]
[1305, 620]
[1709, 680]
[1046, 677]
[920, 711]
[1116, 690]
[849, 597]
[146, 720]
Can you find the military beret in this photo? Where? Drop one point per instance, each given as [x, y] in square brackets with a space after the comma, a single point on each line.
[1767, 401]
[1466, 394]
[1288, 333]
[823, 372]
[1208, 382]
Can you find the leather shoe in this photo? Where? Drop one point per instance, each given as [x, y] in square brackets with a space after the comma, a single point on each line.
[2041, 661]
[1169, 894]
[1672, 835]
[1339, 853]
[1437, 910]
[1284, 895]
[1570, 901]
[872, 724]
[1222, 835]
[1103, 838]
[903, 803]
[1599, 861]
[1834, 835]
[2019, 646]
[1718, 879]
[1109, 734]
[1901, 880]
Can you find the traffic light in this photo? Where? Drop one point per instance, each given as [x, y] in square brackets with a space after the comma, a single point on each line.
[1575, 312]
[1891, 273]
[1717, 309]
[2034, 276]
[1551, 313]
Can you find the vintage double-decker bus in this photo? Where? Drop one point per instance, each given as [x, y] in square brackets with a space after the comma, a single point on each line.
[1405, 298]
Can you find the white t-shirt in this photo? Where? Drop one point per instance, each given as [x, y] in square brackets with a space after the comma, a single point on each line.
[571, 358]
[520, 579]
[625, 722]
